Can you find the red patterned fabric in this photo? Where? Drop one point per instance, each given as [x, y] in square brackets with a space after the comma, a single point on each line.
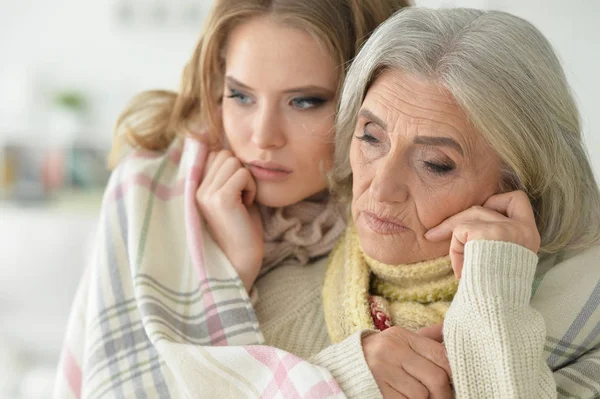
[381, 319]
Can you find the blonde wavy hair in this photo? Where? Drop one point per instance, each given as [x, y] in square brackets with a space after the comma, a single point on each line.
[153, 119]
[507, 79]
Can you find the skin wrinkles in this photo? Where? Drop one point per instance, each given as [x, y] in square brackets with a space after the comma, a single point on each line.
[416, 124]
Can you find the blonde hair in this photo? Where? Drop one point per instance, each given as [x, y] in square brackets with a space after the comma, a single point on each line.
[507, 79]
[153, 119]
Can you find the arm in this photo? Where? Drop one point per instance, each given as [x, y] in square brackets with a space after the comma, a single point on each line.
[347, 364]
[494, 338]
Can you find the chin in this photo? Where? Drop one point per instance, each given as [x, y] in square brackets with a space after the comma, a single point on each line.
[388, 249]
[276, 197]
[280, 195]
[377, 249]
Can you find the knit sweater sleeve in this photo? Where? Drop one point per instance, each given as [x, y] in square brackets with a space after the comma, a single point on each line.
[347, 364]
[494, 338]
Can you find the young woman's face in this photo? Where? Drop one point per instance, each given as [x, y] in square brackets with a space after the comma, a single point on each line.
[278, 109]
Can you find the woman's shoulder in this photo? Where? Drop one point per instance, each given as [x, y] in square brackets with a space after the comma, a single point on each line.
[566, 294]
[162, 174]
[583, 260]
[149, 162]
[569, 270]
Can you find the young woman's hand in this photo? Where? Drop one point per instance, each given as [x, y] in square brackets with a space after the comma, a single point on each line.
[226, 199]
[408, 365]
[504, 217]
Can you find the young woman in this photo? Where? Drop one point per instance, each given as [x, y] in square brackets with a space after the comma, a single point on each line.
[222, 183]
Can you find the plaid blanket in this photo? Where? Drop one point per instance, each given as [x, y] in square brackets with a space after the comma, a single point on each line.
[161, 312]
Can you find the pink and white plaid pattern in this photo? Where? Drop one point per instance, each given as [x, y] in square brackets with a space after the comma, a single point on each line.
[161, 312]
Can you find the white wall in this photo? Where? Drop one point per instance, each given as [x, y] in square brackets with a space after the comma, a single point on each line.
[573, 28]
[62, 44]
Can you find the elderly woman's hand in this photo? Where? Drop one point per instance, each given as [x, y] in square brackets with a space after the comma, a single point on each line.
[504, 217]
[408, 365]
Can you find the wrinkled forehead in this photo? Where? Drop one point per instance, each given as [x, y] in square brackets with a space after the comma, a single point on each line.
[398, 99]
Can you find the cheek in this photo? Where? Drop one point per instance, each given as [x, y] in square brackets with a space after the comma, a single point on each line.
[313, 137]
[235, 124]
[432, 210]
[435, 199]
[361, 173]
[434, 205]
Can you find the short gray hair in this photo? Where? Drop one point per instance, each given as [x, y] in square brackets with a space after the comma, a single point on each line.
[507, 79]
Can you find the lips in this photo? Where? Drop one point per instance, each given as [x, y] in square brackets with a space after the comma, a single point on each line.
[383, 225]
[268, 171]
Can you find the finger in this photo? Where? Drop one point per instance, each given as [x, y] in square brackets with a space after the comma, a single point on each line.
[225, 172]
[405, 384]
[461, 236]
[213, 170]
[444, 230]
[432, 377]
[388, 392]
[249, 193]
[432, 351]
[241, 182]
[209, 161]
[434, 332]
[515, 205]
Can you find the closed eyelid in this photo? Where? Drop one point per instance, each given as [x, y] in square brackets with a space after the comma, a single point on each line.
[367, 114]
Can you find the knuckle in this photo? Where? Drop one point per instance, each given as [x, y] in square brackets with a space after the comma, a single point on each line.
[522, 195]
[422, 392]
[439, 380]
[397, 331]
[477, 208]
[378, 344]
[244, 172]
[233, 162]
[500, 231]
[220, 198]
[438, 354]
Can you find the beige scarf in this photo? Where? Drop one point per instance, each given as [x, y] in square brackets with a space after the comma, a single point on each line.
[300, 232]
[361, 293]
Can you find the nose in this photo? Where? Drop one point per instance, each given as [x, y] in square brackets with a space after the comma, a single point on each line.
[390, 181]
[268, 128]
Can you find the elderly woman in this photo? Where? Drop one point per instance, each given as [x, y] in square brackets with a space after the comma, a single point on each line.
[473, 204]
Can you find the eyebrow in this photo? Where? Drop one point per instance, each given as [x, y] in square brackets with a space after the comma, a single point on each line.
[425, 140]
[365, 113]
[439, 141]
[308, 88]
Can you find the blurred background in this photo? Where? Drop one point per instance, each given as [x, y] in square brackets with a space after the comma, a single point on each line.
[67, 68]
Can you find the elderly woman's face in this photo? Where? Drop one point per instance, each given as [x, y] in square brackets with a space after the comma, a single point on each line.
[416, 161]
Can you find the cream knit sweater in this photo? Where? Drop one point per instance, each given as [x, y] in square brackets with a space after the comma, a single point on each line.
[500, 343]
[290, 313]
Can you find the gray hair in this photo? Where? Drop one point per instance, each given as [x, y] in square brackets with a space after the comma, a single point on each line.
[505, 76]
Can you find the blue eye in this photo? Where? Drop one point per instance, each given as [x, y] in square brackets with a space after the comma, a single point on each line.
[307, 102]
[240, 97]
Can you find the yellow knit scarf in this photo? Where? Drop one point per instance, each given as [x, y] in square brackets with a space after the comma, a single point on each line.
[361, 293]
